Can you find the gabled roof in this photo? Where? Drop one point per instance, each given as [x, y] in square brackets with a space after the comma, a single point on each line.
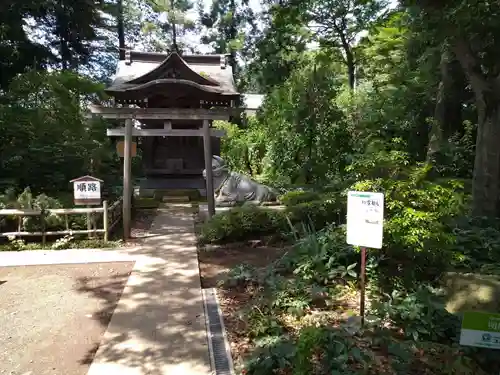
[86, 178]
[145, 69]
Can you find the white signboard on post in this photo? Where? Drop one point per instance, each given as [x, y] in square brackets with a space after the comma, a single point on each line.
[87, 190]
[365, 219]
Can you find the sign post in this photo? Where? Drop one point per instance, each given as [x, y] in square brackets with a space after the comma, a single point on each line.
[365, 228]
[87, 192]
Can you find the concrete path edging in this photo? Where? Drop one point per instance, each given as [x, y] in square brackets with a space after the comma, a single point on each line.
[70, 256]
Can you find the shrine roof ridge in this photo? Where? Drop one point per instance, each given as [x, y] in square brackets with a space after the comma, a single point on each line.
[154, 84]
[154, 68]
[158, 57]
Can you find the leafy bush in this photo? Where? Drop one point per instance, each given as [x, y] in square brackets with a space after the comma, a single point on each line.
[318, 213]
[322, 257]
[250, 222]
[26, 200]
[476, 243]
[242, 223]
[421, 315]
[418, 244]
[272, 353]
[295, 197]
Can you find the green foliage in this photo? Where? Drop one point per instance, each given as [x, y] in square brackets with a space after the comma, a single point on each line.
[328, 350]
[417, 122]
[47, 221]
[242, 274]
[243, 149]
[45, 140]
[322, 257]
[420, 314]
[273, 353]
[242, 223]
[293, 198]
[306, 133]
[318, 214]
[418, 244]
[250, 222]
[476, 244]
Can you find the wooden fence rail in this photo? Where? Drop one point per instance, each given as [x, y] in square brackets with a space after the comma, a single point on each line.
[111, 216]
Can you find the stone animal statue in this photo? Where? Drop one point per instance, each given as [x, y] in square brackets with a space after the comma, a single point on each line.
[232, 188]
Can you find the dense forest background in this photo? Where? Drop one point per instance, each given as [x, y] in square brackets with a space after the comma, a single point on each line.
[401, 97]
[354, 88]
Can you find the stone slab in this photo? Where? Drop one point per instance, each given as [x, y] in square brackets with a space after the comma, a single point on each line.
[472, 292]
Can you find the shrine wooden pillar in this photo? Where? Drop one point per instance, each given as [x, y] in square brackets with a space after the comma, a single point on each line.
[207, 148]
[127, 180]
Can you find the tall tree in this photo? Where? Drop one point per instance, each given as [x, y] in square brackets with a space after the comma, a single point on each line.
[225, 27]
[121, 29]
[278, 50]
[340, 23]
[471, 29]
[173, 20]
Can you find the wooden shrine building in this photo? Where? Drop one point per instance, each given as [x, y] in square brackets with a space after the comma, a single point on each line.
[168, 102]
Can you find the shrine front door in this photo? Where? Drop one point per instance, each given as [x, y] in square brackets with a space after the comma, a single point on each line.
[178, 156]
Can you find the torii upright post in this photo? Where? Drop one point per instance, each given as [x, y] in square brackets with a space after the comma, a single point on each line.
[127, 179]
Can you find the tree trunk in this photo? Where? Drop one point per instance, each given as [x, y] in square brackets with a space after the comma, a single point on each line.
[436, 131]
[233, 31]
[121, 31]
[485, 180]
[175, 48]
[349, 57]
[351, 69]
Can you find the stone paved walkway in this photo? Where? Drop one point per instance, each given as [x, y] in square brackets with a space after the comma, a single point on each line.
[158, 327]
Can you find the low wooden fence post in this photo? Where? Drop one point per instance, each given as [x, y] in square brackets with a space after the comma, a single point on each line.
[111, 217]
[42, 222]
[105, 220]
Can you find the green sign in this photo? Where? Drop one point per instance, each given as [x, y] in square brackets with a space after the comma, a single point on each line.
[481, 329]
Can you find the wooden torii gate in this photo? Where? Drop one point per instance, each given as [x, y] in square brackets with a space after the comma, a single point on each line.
[166, 114]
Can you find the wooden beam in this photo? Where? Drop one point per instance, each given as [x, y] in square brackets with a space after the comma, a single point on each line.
[127, 179]
[163, 113]
[120, 132]
[207, 146]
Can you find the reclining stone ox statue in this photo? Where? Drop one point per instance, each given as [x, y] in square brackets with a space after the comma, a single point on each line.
[232, 188]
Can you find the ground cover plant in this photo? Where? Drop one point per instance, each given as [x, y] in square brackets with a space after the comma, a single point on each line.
[298, 315]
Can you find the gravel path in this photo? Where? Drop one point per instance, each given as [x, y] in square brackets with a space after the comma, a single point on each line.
[53, 316]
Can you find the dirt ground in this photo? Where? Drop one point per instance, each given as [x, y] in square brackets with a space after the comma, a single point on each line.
[216, 262]
[53, 316]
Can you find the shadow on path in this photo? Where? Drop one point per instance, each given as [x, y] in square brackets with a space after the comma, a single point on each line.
[158, 326]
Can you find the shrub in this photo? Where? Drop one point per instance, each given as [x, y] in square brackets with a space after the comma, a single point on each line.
[295, 197]
[250, 222]
[421, 315]
[318, 213]
[418, 245]
[242, 223]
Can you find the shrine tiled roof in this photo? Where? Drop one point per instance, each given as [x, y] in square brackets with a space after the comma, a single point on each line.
[142, 70]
